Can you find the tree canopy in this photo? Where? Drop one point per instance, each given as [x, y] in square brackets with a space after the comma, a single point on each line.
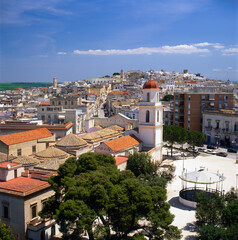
[196, 138]
[168, 97]
[149, 172]
[116, 73]
[5, 233]
[174, 134]
[92, 195]
[217, 217]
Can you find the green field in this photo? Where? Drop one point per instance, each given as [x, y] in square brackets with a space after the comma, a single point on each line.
[24, 85]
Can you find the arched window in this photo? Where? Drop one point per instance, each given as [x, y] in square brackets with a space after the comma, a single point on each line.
[148, 97]
[158, 116]
[147, 118]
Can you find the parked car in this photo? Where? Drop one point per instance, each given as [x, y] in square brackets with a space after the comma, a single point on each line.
[190, 149]
[222, 154]
[211, 147]
[231, 150]
[211, 151]
[201, 149]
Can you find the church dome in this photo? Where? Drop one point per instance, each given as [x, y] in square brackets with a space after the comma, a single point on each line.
[151, 84]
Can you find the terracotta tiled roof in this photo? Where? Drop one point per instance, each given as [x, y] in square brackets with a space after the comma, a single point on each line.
[23, 186]
[31, 126]
[44, 104]
[71, 140]
[121, 143]
[25, 136]
[44, 87]
[6, 164]
[151, 84]
[121, 159]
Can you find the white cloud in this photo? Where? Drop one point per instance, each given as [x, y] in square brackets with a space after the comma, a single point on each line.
[216, 70]
[229, 67]
[62, 53]
[229, 51]
[178, 49]
[206, 44]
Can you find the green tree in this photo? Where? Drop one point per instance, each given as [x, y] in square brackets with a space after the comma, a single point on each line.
[5, 233]
[196, 138]
[106, 76]
[116, 73]
[149, 171]
[92, 195]
[168, 97]
[174, 134]
[217, 216]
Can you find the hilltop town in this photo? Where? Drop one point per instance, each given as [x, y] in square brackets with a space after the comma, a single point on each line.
[40, 128]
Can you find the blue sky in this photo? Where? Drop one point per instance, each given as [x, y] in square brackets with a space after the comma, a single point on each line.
[79, 39]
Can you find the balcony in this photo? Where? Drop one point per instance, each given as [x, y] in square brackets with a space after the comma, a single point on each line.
[37, 223]
[217, 130]
[208, 128]
[179, 113]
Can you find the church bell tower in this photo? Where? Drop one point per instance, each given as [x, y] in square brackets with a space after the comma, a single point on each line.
[151, 119]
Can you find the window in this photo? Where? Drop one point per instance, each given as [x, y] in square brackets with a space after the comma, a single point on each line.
[43, 109]
[43, 202]
[66, 102]
[236, 127]
[158, 116]
[217, 124]
[34, 210]
[227, 126]
[47, 145]
[34, 149]
[59, 102]
[53, 103]
[15, 173]
[5, 209]
[147, 119]
[209, 122]
[148, 97]
[18, 152]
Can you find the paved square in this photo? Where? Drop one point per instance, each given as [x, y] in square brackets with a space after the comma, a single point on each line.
[185, 216]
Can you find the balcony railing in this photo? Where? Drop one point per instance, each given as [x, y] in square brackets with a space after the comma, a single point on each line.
[208, 128]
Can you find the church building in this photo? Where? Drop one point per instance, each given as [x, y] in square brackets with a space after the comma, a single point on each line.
[151, 120]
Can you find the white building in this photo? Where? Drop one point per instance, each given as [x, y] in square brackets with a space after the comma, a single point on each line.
[151, 119]
[221, 127]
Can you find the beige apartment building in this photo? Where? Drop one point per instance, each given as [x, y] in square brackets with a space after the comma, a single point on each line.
[22, 195]
[221, 127]
[69, 102]
[189, 106]
[26, 143]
